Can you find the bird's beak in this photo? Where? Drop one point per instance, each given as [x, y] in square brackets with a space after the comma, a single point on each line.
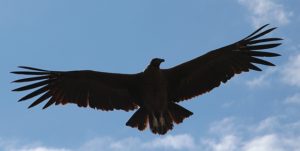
[162, 60]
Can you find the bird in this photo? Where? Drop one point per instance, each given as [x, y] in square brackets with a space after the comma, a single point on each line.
[154, 93]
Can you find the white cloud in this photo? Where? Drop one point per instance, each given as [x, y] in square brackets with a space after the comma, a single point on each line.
[39, 149]
[177, 142]
[291, 71]
[267, 142]
[264, 143]
[261, 80]
[223, 126]
[270, 134]
[174, 142]
[294, 99]
[272, 142]
[226, 143]
[111, 144]
[125, 144]
[267, 124]
[267, 11]
[6, 145]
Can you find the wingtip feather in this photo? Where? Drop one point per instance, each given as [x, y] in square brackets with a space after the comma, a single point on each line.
[253, 67]
[20, 100]
[31, 68]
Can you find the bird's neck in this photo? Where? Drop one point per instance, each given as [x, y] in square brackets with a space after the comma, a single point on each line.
[152, 68]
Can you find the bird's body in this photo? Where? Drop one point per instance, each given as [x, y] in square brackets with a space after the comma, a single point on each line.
[154, 92]
[154, 82]
[155, 102]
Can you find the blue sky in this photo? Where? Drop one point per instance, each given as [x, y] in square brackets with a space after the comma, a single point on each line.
[253, 111]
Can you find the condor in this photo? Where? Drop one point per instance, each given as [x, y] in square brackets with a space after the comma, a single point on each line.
[154, 92]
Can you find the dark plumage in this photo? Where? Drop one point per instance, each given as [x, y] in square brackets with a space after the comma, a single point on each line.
[154, 92]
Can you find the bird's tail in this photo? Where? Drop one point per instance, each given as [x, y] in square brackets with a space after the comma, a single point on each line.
[159, 122]
[178, 113]
[139, 119]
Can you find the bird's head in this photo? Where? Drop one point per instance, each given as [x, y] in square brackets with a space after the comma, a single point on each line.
[156, 62]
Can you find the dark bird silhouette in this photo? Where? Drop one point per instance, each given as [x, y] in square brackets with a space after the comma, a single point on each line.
[154, 92]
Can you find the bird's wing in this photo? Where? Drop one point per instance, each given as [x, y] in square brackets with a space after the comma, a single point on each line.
[206, 72]
[99, 90]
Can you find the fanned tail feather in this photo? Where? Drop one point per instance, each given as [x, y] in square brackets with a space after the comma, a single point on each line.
[159, 122]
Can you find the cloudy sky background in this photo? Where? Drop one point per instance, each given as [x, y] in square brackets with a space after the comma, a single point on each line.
[257, 111]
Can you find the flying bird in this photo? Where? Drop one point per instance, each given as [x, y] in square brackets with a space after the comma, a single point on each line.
[154, 92]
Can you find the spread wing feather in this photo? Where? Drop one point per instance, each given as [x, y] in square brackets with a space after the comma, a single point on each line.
[106, 91]
[206, 72]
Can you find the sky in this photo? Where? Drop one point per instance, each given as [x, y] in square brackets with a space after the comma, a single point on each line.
[255, 111]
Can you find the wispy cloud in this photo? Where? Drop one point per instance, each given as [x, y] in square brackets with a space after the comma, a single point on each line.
[291, 71]
[267, 124]
[267, 142]
[261, 80]
[267, 11]
[111, 144]
[9, 145]
[174, 142]
[39, 149]
[225, 143]
[267, 135]
[294, 99]
[223, 126]
[177, 142]
[264, 143]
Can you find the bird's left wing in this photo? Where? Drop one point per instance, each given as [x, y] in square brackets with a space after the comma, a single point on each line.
[100, 90]
[206, 72]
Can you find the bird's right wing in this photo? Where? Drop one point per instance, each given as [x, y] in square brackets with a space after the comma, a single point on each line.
[208, 71]
[100, 90]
